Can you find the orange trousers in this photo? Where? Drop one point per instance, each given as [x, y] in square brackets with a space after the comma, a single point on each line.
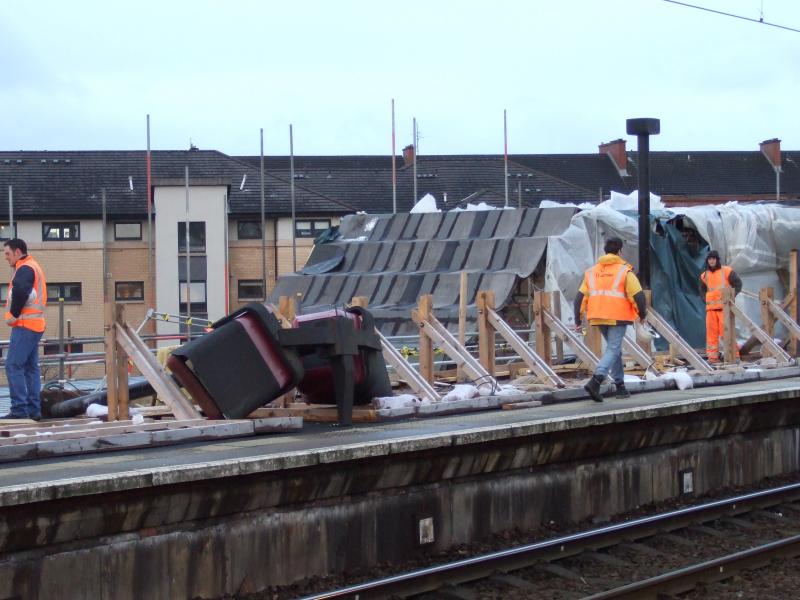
[714, 330]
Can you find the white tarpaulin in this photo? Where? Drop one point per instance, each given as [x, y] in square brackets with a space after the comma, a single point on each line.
[754, 239]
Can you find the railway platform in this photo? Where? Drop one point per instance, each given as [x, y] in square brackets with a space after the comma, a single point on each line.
[238, 516]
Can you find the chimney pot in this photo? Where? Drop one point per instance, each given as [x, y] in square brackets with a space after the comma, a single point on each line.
[772, 151]
[409, 155]
[616, 151]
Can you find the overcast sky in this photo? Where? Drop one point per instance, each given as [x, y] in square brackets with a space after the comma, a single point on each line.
[82, 75]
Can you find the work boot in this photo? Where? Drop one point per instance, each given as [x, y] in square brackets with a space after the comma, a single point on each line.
[622, 392]
[13, 416]
[592, 388]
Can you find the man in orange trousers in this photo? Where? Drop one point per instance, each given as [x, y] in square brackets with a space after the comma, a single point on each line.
[712, 281]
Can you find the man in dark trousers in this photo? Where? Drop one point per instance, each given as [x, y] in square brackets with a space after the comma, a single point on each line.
[27, 298]
[612, 298]
[712, 281]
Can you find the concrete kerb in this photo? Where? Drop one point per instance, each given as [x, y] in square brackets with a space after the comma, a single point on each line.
[419, 443]
[99, 484]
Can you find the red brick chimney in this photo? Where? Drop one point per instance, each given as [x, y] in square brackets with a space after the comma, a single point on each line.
[616, 150]
[772, 150]
[409, 156]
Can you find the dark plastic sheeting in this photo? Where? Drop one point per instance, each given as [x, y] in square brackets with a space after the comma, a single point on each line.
[393, 259]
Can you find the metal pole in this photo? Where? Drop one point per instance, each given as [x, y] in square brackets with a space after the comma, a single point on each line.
[150, 257]
[416, 155]
[13, 232]
[263, 226]
[394, 166]
[105, 246]
[188, 259]
[519, 193]
[643, 154]
[291, 175]
[643, 129]
[61, 339]
[505, 155]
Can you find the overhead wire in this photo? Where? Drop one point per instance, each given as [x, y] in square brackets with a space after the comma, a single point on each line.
[727, 14]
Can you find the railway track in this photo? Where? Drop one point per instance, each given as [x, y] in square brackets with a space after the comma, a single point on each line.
[666, 553]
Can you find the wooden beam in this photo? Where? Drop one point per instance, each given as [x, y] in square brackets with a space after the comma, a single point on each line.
[638, 354]
[423, 313]
[556, 303]
[786, 321]
[768, 345]
[361, 301]
[583, 352]
[447, 342]
[122, 370]
[284, 322]
[484, 302]
[415, 381]
[533, 360]
[111, 356]
[676, 343]
[793, 309]
[287, 307]
[729, 344]
[594, 339]
[752, 341]
[162, 383]
[542, 302]
[766, 297]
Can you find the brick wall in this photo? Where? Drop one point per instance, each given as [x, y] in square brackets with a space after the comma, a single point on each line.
[245, 263]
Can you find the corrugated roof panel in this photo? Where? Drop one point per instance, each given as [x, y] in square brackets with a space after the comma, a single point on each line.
[393, 273]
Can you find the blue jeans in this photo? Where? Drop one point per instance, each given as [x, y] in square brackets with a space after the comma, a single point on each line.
[22, 370]
[612, 357]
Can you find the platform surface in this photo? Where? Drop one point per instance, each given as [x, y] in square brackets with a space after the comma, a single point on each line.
[38, 480]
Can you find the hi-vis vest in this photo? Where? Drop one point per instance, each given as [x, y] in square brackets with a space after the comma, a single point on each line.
[716, 281]
[32, 315]
[607, 298]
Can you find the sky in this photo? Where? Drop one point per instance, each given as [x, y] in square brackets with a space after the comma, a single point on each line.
[83, 75]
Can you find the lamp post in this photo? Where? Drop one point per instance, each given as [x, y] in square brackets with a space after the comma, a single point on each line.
[643, 129]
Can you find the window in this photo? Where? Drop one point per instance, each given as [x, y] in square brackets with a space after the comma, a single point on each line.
[197, 236]
[3, 292]
[197, 296]
[129, 291]
[128, 231]
[251, 289]
[70, 292]
[248, 230]
[69, 348]
[311, 229]
[8, 232]
[65, 232]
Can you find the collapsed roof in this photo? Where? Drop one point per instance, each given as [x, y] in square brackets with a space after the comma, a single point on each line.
[394, 259]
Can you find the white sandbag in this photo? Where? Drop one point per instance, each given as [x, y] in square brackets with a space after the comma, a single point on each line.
[399, 401]
[462, 391]
[96, 410]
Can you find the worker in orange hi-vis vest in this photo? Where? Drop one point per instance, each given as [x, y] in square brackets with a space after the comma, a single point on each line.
[612, 298]
[25, 304]
[713, 280]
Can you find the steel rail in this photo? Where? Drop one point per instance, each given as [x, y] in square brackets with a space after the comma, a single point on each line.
[479, 567]
[718, 569]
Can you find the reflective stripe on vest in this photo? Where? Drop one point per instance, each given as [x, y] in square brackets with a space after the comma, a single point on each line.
[609, 299]
[32, 314]
[716, 281]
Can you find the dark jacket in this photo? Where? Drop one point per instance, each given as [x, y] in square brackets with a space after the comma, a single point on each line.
[21, 286]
